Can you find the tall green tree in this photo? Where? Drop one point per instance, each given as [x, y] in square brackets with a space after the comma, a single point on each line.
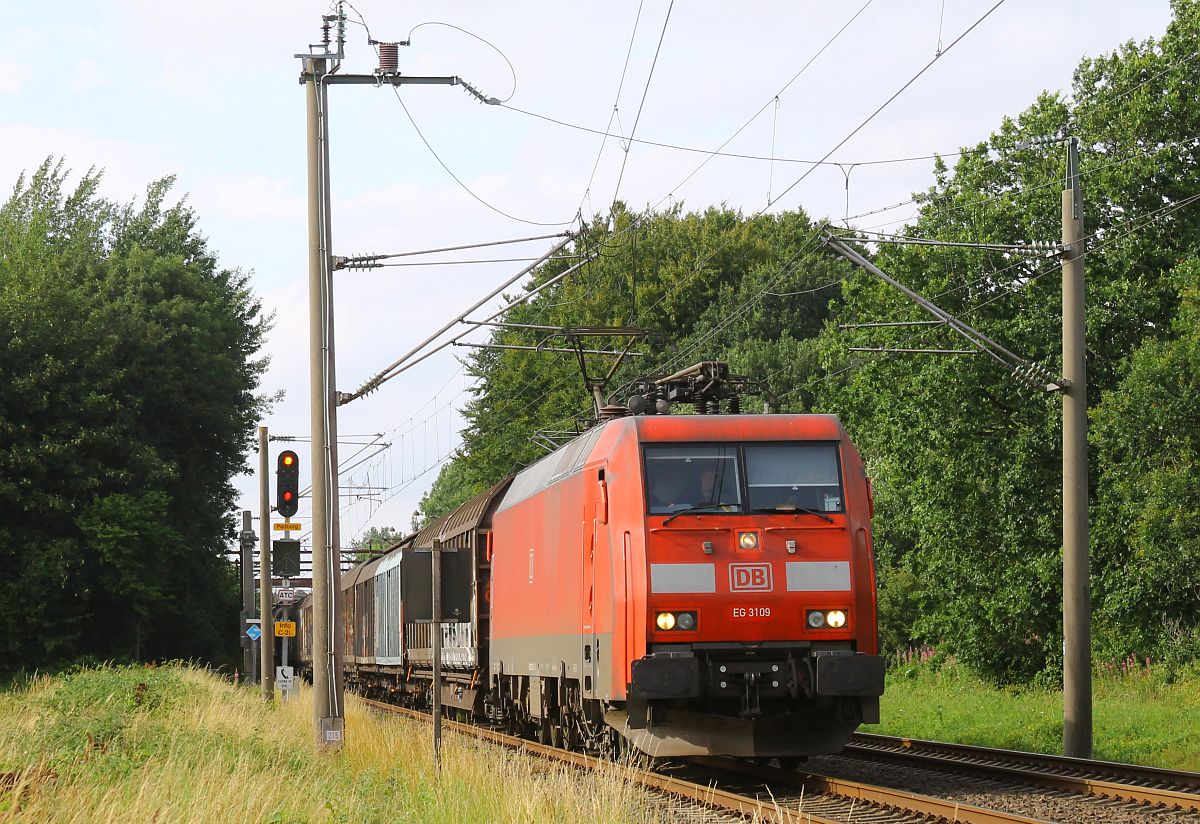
[128, 378]
[1147, 517]
[967, 465]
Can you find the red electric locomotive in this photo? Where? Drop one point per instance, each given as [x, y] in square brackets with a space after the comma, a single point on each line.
[688, 584]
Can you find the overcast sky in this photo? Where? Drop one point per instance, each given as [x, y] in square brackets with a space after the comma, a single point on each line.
[209, 92]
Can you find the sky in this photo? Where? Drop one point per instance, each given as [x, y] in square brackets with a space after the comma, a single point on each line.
[209, 92]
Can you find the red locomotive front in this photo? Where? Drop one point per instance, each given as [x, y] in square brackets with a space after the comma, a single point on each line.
[760, 611]
[700, 584]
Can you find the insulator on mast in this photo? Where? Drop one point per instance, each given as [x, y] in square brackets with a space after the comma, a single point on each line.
[389, 58]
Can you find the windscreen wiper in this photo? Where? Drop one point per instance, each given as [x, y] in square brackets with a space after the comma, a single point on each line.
[805, 510]
[691, 510]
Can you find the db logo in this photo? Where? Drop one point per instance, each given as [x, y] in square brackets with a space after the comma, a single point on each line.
[749, 577]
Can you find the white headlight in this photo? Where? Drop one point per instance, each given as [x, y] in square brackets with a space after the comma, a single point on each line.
[665, 620]
[835, 618]
[748, 540]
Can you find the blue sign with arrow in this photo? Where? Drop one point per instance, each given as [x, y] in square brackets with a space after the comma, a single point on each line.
[254, 632]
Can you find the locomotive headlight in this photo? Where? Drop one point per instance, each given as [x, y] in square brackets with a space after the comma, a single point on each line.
[748, 540]
[685, 621]
[665, 620]
[835, 618]
[816, 620]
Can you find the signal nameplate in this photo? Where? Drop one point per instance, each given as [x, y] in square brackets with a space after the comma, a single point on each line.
[285, 629]
[286, 527]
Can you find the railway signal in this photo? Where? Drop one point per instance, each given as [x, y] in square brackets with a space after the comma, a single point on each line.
[287, 483]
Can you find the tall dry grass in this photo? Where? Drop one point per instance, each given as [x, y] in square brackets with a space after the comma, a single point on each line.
[176, 744]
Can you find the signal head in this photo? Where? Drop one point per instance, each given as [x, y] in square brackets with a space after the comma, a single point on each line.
[287, 483]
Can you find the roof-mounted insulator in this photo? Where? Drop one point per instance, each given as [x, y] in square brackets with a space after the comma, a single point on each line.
[612, 410]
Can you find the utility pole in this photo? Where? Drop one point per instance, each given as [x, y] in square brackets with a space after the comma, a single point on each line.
[320, 70]
[246, 542]
[266, 623]
[1077, 620]
[327, 706]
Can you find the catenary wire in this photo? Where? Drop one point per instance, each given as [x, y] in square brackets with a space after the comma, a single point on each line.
[585, 197]
[487, 43]
[649, 76]
[1106, 242]
[698, 268]
[868, 212]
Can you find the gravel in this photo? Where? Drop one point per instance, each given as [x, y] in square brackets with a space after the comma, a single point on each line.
[1034, 802]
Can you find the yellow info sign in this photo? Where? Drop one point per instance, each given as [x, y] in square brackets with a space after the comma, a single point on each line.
[286, 527]
[285, 629]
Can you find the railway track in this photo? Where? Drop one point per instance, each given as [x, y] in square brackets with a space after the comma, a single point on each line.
[714, 789]
[1159, 788]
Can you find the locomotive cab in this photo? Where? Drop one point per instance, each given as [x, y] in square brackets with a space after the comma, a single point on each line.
[760, 626]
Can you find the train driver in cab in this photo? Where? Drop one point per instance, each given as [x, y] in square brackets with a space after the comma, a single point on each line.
[683, 489]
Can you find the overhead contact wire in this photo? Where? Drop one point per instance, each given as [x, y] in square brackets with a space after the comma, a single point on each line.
[642, 104]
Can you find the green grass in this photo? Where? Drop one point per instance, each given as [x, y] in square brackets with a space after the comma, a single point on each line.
[174, 744]
[1141, 715]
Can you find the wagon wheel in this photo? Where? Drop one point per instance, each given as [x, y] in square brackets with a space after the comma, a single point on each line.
[572, 740]
[545, 731]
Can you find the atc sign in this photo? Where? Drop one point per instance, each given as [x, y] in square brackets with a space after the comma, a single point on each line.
[750, 578]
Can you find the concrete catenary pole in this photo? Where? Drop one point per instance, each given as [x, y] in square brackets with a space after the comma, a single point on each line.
[331, 436]
[267, 624]
[1077, 621]
[327, 717]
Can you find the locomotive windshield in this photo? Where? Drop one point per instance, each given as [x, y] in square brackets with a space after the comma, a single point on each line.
[779, 477]
[683, 477]
[794, 476]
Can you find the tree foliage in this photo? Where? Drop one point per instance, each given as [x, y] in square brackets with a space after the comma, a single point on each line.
[754, 291]
[371, 543]
[128, 372]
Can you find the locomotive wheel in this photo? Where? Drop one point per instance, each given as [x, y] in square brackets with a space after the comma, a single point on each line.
[616, 746]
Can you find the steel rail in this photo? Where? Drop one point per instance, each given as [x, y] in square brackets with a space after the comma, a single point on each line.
[1174, 789]
[771, 809]
[921, 805]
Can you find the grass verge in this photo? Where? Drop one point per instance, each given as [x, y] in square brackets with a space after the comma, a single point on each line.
[1141, 715]
[174, 744]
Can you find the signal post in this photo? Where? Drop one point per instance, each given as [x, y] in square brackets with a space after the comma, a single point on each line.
[246, 549]
[266, 652]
